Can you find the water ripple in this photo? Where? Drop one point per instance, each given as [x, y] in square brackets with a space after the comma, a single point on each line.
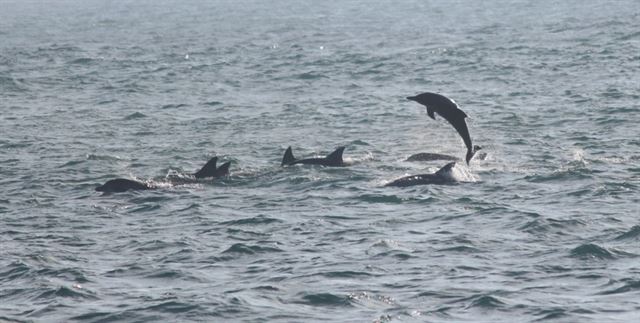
[240, 248]
[593, 251]
[629, 285]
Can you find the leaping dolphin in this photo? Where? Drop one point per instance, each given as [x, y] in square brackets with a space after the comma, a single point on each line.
[449, 110]
[442, 176]
[334, 159]
[119, 185]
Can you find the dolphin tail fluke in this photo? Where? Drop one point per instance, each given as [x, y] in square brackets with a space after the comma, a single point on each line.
[471, 153]
[223, 170]
[288, 158]
[208, 170]
[335, 158]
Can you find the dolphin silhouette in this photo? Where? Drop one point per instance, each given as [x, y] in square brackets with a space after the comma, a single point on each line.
[334, 159]
[449, 110]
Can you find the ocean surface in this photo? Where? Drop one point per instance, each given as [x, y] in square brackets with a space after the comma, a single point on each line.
[546, 228]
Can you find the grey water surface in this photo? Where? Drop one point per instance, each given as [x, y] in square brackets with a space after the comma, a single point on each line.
[545, 228]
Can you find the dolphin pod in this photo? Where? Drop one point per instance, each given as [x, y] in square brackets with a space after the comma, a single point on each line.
[435, 103]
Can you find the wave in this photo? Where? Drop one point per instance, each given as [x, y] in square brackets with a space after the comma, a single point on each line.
[65, 292]
[135, 115]
[484, 301]
[629, 285]
[241, 248]
[592, 251]
[10, 84]
[632, 233]
[258, 220]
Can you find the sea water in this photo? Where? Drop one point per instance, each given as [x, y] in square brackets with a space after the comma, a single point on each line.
[545, 228]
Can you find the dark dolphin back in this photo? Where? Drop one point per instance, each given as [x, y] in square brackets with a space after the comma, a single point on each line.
[288, 158]
[424, 179]
[119, 185]
[335, 158]
[208, 170]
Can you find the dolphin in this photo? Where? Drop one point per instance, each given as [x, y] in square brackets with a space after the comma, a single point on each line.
[334, 159]
[449, 110]
[442, 176]
[119, 185]
[435, 156]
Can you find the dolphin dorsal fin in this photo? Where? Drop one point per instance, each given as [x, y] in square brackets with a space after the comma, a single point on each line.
[430, 112]
[223, 170]
[208, 170]
[446, 168]
[335, 157]
[288, 158]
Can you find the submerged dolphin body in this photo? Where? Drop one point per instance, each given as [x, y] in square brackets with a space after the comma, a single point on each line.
[435, 156]
[442, 176]
[334, 159]
[450, 111]
[119, 185]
